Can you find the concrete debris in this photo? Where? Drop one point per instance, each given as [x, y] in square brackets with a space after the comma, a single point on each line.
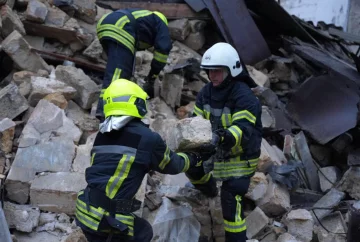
[267, 118]
[60, 196]
[334, 224]
[12, 102]
[35, 42]
[36, 237]
[350, 182]
[41, 87]
[185, 111]
[10, 22]
[85, 10]
[287, 238]
[268, 157]
[256, 223]
[171, 89]
[195, 40]
[300, 224]
[46, 218]
[276, 200]
[76, 236]
[258, 187]
[260, 78]
[190, 134]
[321, 154]
[87, 90]
[94, 50]
[57, 99]
[36, 11]
[7, 132]
[20, 52]
[197, 25]
[266, 96]
[179, 29]
[328, 177]
[353, 157]
[22, 217]
[329, 200]
[56, 17]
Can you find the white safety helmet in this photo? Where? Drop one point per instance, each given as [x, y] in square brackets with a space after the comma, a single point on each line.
[222, 55]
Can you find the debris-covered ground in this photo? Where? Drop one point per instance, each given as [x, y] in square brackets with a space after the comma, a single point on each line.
[51, 67]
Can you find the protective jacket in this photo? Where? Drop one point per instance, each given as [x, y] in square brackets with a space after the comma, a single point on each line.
[145, 31]
[235, 108]
[119, 161]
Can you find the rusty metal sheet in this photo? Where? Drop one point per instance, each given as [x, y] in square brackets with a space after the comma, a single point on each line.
[325, 107]
[239, 29]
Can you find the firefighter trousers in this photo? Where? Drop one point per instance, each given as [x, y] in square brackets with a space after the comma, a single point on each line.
[142, 232]
[119, 65]
[232, 194]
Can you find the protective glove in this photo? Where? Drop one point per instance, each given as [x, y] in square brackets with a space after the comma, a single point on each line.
[149, 85]
[225, 139]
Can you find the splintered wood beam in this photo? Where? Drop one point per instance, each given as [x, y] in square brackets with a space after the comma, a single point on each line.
[170, 10]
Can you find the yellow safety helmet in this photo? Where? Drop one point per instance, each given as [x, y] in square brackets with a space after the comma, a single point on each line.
[162, 16]
[124, 97]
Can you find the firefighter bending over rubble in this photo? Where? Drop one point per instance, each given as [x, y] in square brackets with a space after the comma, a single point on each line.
[124, 150]
[121, 33]
[235, 116]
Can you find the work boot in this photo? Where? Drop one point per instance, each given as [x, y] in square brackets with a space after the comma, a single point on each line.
[149, 88]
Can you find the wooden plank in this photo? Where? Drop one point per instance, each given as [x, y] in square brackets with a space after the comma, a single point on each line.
[170, 10]
[78, 61]
[63, 35]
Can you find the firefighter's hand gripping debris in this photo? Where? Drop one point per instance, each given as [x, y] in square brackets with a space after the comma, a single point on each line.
[196, 121]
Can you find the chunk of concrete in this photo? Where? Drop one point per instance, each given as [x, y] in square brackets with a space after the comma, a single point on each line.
[47, 218]
[256, 223]
[88, 91]
[82, 159]
[195, 40]
[179, 29]
[276, 200]
[258, 187]
[287, 238]
[300, 224]
[36, 11]
[171, 89]
[10, 22]
[329, 200]
[350, 182]
[268, 157]
[86, 10]
[23, 218]
[266, 96]
[55, 155]
[7, 132]
[190, 134]
[216, 211]
[36, 42]
[267, 118]
[12, 103]
[20, 52]
[333, 223]
[23, 76]
[197, 25]
[175, 180]
[41, 87]
[36, 236]
[94, 50]
[57, 99]
[328, 177]
[59, 196]
[82, 119]
[76, 236]
[56, 17]
[260, 78]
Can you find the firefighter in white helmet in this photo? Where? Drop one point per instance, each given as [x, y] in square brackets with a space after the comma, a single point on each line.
[235, 115]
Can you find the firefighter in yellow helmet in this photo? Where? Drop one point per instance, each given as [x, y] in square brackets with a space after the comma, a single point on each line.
[121, 34]
[124, 150]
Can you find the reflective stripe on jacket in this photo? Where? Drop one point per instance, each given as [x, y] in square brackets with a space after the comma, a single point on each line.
[236, 109]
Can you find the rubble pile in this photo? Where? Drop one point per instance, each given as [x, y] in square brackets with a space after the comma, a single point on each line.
[51, 68]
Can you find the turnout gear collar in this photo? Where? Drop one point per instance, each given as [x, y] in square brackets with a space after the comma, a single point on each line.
[114, 123]
[222, 55]
[124, 98]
